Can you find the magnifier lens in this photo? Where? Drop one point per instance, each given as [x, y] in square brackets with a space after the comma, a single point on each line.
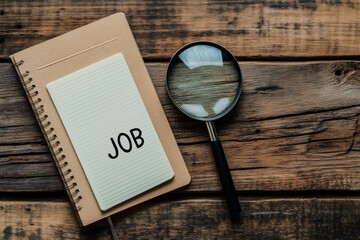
[203, 81]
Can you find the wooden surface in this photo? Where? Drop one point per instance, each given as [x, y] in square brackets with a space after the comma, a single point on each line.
[249, 28]
[297, 218]
[292, 142]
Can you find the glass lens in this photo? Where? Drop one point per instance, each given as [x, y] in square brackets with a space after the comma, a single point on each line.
[204, 81]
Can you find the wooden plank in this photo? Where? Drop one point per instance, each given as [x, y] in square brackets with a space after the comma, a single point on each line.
[297, 218]
[295, 128]
[277, 28]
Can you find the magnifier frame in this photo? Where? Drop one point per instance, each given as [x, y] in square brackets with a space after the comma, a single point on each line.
[219, 156]
[231, 58]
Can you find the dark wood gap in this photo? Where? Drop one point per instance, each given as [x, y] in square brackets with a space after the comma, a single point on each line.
[177, 195]
[5, 60]
[253, 59]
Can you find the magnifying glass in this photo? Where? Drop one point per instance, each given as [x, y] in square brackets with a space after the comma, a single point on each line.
[204, 82]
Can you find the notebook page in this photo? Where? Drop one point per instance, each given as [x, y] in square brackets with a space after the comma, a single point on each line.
[111, 131]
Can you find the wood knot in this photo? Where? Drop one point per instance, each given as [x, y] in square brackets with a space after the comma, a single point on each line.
[338, 72]
[332, 137]
[347, 73]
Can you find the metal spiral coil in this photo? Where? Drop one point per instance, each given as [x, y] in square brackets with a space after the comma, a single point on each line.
[19, 63]
[57, 143]
[28, 81]
[59, 150]
[68, 171]
[53, 137]
[69, 179]
[36, 101]
[43, 118]
[30, 87]
[74, 193]
[47, 123]
[33, 94]
[39, 108]
[25, 74]
[61, 158]
[64, 164]
[77, 199]
[50, 130]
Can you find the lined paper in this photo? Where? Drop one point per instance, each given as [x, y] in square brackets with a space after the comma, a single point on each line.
[100, 106]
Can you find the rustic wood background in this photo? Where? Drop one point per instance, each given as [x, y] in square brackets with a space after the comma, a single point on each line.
[292, 142]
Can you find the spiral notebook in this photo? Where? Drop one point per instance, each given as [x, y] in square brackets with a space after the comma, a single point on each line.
[110, 130]
[101, 117]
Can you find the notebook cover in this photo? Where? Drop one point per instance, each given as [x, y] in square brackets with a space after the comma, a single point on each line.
[60, 56]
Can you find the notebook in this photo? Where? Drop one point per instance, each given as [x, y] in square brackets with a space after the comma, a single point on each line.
[101, 117]
[110, 130]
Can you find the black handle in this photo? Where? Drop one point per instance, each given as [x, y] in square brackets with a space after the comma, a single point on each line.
[226, 180]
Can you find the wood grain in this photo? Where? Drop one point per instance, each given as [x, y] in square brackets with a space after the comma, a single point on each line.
[261, 29]
[206, 91]
[205, 218]
[295, 128]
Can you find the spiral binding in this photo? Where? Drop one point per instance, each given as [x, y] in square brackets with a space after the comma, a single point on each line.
[67, 175]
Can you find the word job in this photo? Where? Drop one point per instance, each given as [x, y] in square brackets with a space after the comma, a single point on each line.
[125, 142]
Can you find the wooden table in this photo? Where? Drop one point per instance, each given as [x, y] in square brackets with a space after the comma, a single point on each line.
[293, 141]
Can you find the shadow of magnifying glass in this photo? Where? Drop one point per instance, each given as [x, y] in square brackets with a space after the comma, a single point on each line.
[204, 82]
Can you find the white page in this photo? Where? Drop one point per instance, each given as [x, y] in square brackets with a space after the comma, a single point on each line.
[101, 102]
